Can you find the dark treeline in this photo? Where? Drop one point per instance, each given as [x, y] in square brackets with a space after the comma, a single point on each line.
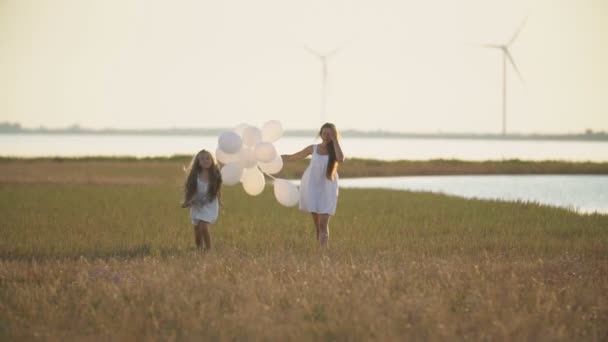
[588, 135]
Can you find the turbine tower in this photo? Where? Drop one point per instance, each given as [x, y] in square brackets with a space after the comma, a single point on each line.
[506, 55]
[324, 76]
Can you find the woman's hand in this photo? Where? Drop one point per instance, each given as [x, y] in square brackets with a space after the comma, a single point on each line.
[332, 135]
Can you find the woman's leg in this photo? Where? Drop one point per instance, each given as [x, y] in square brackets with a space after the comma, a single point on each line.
[315, 218]
[206, 235]
[198, 235]
[323, 229]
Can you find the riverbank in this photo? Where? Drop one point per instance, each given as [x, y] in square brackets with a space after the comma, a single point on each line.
[376, 168]
[354, 168]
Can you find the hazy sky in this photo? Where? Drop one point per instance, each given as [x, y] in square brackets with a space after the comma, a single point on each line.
[403, 66]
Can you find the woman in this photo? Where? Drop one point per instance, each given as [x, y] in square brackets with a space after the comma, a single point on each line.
[319, 185]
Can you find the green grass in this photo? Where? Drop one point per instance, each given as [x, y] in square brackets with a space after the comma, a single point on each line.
[89, 251]
[113, 220]
[356, 167]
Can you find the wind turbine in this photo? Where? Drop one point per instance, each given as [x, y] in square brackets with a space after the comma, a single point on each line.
[506, 55]
[324, 75]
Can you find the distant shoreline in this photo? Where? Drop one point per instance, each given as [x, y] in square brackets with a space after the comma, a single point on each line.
[8, 129]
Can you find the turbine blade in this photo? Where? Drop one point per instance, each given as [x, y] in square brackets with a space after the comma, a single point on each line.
[336, 50]
[311, 51]
[486, 46]
[521, 27]
[514, 66]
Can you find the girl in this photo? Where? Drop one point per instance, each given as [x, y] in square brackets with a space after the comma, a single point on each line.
[319, 185]
[203, 196]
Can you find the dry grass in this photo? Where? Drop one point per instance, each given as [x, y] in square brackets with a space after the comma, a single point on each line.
[231, 295]
[115, 262]
[85, 172]
[353, 168]
[378, 168]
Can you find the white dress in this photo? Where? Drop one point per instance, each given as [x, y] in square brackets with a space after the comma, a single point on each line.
[317, 193]
[202, 209]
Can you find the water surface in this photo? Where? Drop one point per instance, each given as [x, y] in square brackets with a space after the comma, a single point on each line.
[65, 145]
[581, 193]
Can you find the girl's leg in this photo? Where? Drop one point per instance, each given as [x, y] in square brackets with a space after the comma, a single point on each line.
[206, 235]
[315, 218]
[323, 229]
[198, 235]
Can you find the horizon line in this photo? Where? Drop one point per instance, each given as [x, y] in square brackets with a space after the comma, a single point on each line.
[8, 127]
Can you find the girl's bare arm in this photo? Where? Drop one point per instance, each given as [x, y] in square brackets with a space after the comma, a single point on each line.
[187, 203]
[298, 155]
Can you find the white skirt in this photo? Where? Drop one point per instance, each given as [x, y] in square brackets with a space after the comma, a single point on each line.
[317, 193]
[207, 212]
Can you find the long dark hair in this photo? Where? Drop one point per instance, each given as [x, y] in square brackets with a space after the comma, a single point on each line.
[215, 178]
[332, 164]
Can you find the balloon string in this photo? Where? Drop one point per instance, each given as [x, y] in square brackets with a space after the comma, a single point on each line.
[264, 173]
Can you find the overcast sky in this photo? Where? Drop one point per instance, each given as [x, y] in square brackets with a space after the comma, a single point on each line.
[403, 65]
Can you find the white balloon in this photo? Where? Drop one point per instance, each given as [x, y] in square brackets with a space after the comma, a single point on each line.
[272, 131]
[265, 152]
[230, 142]
[224, 157]
[239, 129]
[253, 181]
[286, 193]
[251, 136]
[273, 167]
[247, 157]
[231, 173]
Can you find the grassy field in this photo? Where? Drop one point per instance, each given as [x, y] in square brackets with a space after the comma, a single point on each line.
[100, 250]
[379, 168]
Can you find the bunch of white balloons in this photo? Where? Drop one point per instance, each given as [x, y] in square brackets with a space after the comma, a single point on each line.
[248, 153]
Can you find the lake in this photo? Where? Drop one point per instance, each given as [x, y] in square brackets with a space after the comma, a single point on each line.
[73, 145]
[580, 193]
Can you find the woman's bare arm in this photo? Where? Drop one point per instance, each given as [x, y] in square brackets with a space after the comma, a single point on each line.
[337, 148]
[298, 155]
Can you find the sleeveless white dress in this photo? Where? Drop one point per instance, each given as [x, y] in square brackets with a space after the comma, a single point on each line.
[317, 193]
[202, 209]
